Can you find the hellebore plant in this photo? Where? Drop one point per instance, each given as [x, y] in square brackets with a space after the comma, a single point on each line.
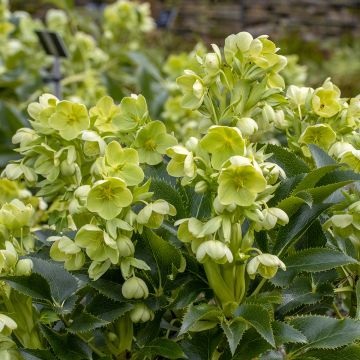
[145, 244]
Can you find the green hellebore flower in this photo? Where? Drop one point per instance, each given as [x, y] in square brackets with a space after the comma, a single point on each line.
[98, 269]
[339, 148]
[41, 112]
[99, 246]
[16, 214]
[108, 197]
[69, 119]
[104, 113]
[8, 257]
[272, 216]
[214, 250]
[234, 43]
[133, 112]
[141, 313]
[193, 90]
[125, 246]
[326, 100]
[212, 62]
[298, 95]
[352, 158]
[240, 182]
[223, 142]
[152, 141]
[152, 215]
[7, 325]
[135, 288]
[247, 126]
[182, 162]
[94, 144]
[123, 163]
[265, 264]
[320, 134]
[24, 267]
[65, 249]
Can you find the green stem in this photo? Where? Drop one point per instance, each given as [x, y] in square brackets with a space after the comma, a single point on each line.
[217, 283]
[240, 284]
[259, 287]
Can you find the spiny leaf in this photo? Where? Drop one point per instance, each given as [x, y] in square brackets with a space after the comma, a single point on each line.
[351, 352]
[267, 297]
[163, 347]
[259, 318]
[288, 161]
[65, 347]
[197, 313]
[86, 322]
[234, 332]
[325, 332]
[187, 294]
[108, 288]
[33, 285]
[297, 226]
[320, 157]
[106, 309]
[62, 283]
[36, 354]
[285, 188]
[292, 204]
[284, 333]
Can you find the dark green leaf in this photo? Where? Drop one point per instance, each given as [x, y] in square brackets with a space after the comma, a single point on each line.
[325, 332]
[187, 294]
[197, 313]
[34, 286]
[234, 332]
[284, 333]
[351, 352]
[35, 354]
[84, 322]
[108, 288]
[297, 226]
[320, 157]
[164, 347]
[259, 318]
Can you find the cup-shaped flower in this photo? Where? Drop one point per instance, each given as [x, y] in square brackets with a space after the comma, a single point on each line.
[66, 250]
[223, 142]
[135, 288]
[326, 100]
[69, 119]
[94, 144]
[152, 141]
[182, 162]
[352, 158]
[152, 215]
[108, 197]
[98, 268]
[193, 90]
[141, 313]
[271, 217]
[7, 325]
[214, 250]
[298, 95]
[236, 42]
[339, 148]
[104, 113]
[99, 246]
[125, 246]
[247, 126]
[8, 257]
[133, 112]
[240, 182]
[320, 134]
[24, 267]
[41, 112]
[16, 214]
[266, 265]
[123, 163]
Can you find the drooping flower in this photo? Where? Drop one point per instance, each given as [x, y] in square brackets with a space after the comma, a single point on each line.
[182, 162]
[152, 141]
[99, 246]
[326, 100]
[135, 288]
[240, 182]
[266, 265]
[320, 134]
[69, 119]
[108, 197]
[214, 250]
[152, 215]
[222, 142]
[16, 214]
[352, 158]
[193, 90]
[141, 313]
[66, 250]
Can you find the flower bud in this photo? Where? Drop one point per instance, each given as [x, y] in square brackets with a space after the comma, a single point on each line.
[214, 250]
[212, 63]
[265, 264]
[201, 187]
[125, 246]
[268, 114]
[297, 95]
[135, 288]
[24, 267]
[66, 168]
[247, 126]
[141, 313]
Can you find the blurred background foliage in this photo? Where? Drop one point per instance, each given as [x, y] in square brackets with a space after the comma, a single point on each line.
[321, 37]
